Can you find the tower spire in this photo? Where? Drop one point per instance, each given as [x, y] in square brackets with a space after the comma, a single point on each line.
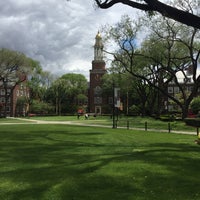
[98, 47]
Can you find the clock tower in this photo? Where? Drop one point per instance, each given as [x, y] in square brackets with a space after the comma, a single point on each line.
[96, 99]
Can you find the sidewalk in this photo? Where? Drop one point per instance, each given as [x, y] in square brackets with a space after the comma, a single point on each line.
[75, 123]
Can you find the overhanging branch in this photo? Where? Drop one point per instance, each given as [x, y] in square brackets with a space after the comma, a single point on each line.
[157, 6]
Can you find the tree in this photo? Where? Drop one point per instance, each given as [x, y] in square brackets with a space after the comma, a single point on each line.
[78, 85]
[169, 49]
[183, 16]
[68, 92]
[41, 107]
[77, 93]
[195, 105]
[14, 68]
[38, 83]
[58, 93]
[174, 49]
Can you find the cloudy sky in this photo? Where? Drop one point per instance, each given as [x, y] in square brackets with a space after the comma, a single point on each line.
[57, 33]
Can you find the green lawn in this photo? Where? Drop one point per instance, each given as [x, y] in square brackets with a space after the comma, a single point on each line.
[11, 120]
[54, 162]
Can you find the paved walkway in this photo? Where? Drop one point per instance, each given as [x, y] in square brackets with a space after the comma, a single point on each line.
[76, 123]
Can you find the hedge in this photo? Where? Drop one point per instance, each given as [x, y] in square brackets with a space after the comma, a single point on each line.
[192, 122]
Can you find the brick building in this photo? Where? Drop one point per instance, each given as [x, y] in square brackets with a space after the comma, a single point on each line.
[174, 90]
[13, 99]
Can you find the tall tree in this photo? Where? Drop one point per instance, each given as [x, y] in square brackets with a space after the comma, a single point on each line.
[175, 50]
[170, 49]
[78, 87]
[39, 81]
[173, 12]
[58, 93]
[14, 68]
[67, 92]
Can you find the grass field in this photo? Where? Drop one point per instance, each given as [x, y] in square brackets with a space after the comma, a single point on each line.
[62, 162]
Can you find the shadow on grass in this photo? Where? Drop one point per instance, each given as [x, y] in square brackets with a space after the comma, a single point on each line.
[62, 165]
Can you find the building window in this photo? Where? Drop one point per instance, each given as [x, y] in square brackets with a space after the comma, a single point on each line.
[110, 100]
[17, 93]
[3, 92]
[8, 108]
[187, 80]
[97, 91]
[8, 91]
[98, 100]
[170, 108]
[170, 90]
[21, 93]
[3, 100]
[189, 88]
[176, 90]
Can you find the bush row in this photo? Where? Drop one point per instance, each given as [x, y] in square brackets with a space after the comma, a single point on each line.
[192, 122]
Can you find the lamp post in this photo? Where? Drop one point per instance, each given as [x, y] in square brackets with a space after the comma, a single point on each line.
[116, 104]
[113, 110]
[127, 109]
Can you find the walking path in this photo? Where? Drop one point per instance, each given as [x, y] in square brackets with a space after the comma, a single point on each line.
[34, 121]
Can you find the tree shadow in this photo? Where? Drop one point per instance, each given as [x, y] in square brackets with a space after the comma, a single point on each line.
[63, 165]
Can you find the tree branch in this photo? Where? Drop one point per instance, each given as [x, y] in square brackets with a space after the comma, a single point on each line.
[157, 6]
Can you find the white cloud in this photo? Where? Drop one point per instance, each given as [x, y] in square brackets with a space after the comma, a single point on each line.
[58, 33]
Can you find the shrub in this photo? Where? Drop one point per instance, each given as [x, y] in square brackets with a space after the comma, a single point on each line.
[39, 107]
[192, 122]
[168, 118]
[134, 110]
[195, 105]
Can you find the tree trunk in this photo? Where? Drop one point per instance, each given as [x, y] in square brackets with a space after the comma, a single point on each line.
[59, 107]
[184, 112]
[56, 105]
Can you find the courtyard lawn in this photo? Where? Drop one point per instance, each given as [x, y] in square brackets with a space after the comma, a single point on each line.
[62, 162]
[11, 120]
